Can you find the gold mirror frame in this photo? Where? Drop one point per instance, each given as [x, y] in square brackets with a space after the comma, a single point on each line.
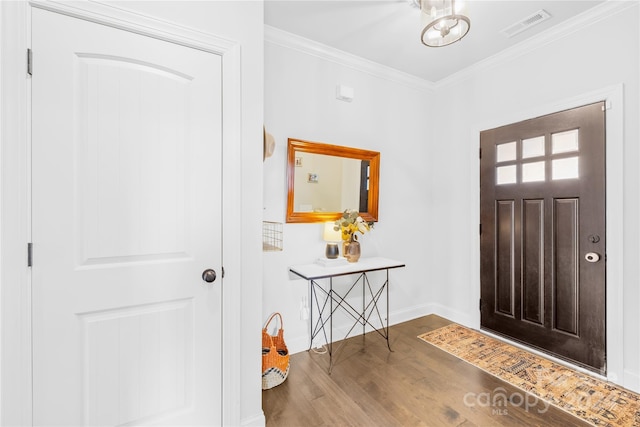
[299, 146]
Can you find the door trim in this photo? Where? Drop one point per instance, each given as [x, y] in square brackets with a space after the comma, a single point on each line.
[15, 219]
[15, 279]
[613, 95]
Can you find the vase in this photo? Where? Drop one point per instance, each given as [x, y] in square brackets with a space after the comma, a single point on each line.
[351, 249]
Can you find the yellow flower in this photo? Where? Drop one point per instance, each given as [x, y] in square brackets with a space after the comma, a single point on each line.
[351, 222]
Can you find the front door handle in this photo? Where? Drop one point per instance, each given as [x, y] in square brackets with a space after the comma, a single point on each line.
[592, 257]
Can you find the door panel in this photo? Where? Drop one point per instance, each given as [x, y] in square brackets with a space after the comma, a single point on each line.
[131, 117]
[566, 260]
[542, 202]
[533, 261]
[137, 362]
[505, 270]
[126, 141]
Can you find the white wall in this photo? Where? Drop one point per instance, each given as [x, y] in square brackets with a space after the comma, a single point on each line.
[429, 164]
[386, 115]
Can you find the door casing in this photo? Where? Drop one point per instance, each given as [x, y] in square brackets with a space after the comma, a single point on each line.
[536, 289]
[15, 279]
[613, 96]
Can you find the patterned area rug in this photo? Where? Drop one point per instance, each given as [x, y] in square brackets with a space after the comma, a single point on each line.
[595, 401]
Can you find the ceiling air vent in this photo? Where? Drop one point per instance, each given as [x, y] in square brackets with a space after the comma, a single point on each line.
[526, 23]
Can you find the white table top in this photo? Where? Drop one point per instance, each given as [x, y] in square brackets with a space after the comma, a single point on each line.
[317, 271]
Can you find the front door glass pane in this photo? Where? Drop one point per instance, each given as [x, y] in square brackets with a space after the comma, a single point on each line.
[506, 174]
[565, 168]
[533, 147]
[533, 172]
[506, 152]
[564, 142]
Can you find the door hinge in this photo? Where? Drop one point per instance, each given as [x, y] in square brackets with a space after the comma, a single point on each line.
[223, 272]
[480, 305]
[29, 254]
[480, 229]
[480, 153]
[29, 62]
[606, 106]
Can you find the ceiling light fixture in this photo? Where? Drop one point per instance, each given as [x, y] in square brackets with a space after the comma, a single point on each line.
[443, 22]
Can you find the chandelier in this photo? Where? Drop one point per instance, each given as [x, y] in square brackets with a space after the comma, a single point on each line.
[442, 22]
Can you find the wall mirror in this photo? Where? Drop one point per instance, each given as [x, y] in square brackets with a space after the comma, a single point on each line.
[323, 180]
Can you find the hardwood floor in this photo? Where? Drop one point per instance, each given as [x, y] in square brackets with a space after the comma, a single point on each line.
[415, 385]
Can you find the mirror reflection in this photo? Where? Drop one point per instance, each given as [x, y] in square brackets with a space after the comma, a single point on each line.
[324, 180]
[329, 183]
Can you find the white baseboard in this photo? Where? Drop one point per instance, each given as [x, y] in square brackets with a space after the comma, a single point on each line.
[630, 380]
[297, 344]
[301, 343]
[460, 317]
[410, 313]
[258, 420]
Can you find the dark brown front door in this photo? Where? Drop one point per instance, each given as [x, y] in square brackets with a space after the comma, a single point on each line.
[542, 244]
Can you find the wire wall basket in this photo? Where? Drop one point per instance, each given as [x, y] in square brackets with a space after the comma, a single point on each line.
[271, 236]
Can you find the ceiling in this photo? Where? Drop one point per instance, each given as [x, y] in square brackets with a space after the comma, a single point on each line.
[388, 31]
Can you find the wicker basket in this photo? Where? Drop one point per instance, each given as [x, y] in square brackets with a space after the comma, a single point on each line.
[275, 356]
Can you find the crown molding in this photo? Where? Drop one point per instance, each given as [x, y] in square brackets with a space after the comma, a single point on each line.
[292, 41]
[564, 29]
[603, 11]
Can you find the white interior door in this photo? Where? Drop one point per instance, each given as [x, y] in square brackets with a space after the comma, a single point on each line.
[126, 200]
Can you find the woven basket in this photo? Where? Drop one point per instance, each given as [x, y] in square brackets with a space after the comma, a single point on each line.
[275, 356]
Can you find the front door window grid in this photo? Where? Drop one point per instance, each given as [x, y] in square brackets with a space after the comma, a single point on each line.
[533, 160]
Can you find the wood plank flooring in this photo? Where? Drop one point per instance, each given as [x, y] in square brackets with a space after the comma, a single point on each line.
[415, 385]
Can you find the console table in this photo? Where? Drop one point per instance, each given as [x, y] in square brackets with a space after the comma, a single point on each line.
[327, 299]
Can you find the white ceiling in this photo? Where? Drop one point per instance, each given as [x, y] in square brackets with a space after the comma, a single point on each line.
[388, 31]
